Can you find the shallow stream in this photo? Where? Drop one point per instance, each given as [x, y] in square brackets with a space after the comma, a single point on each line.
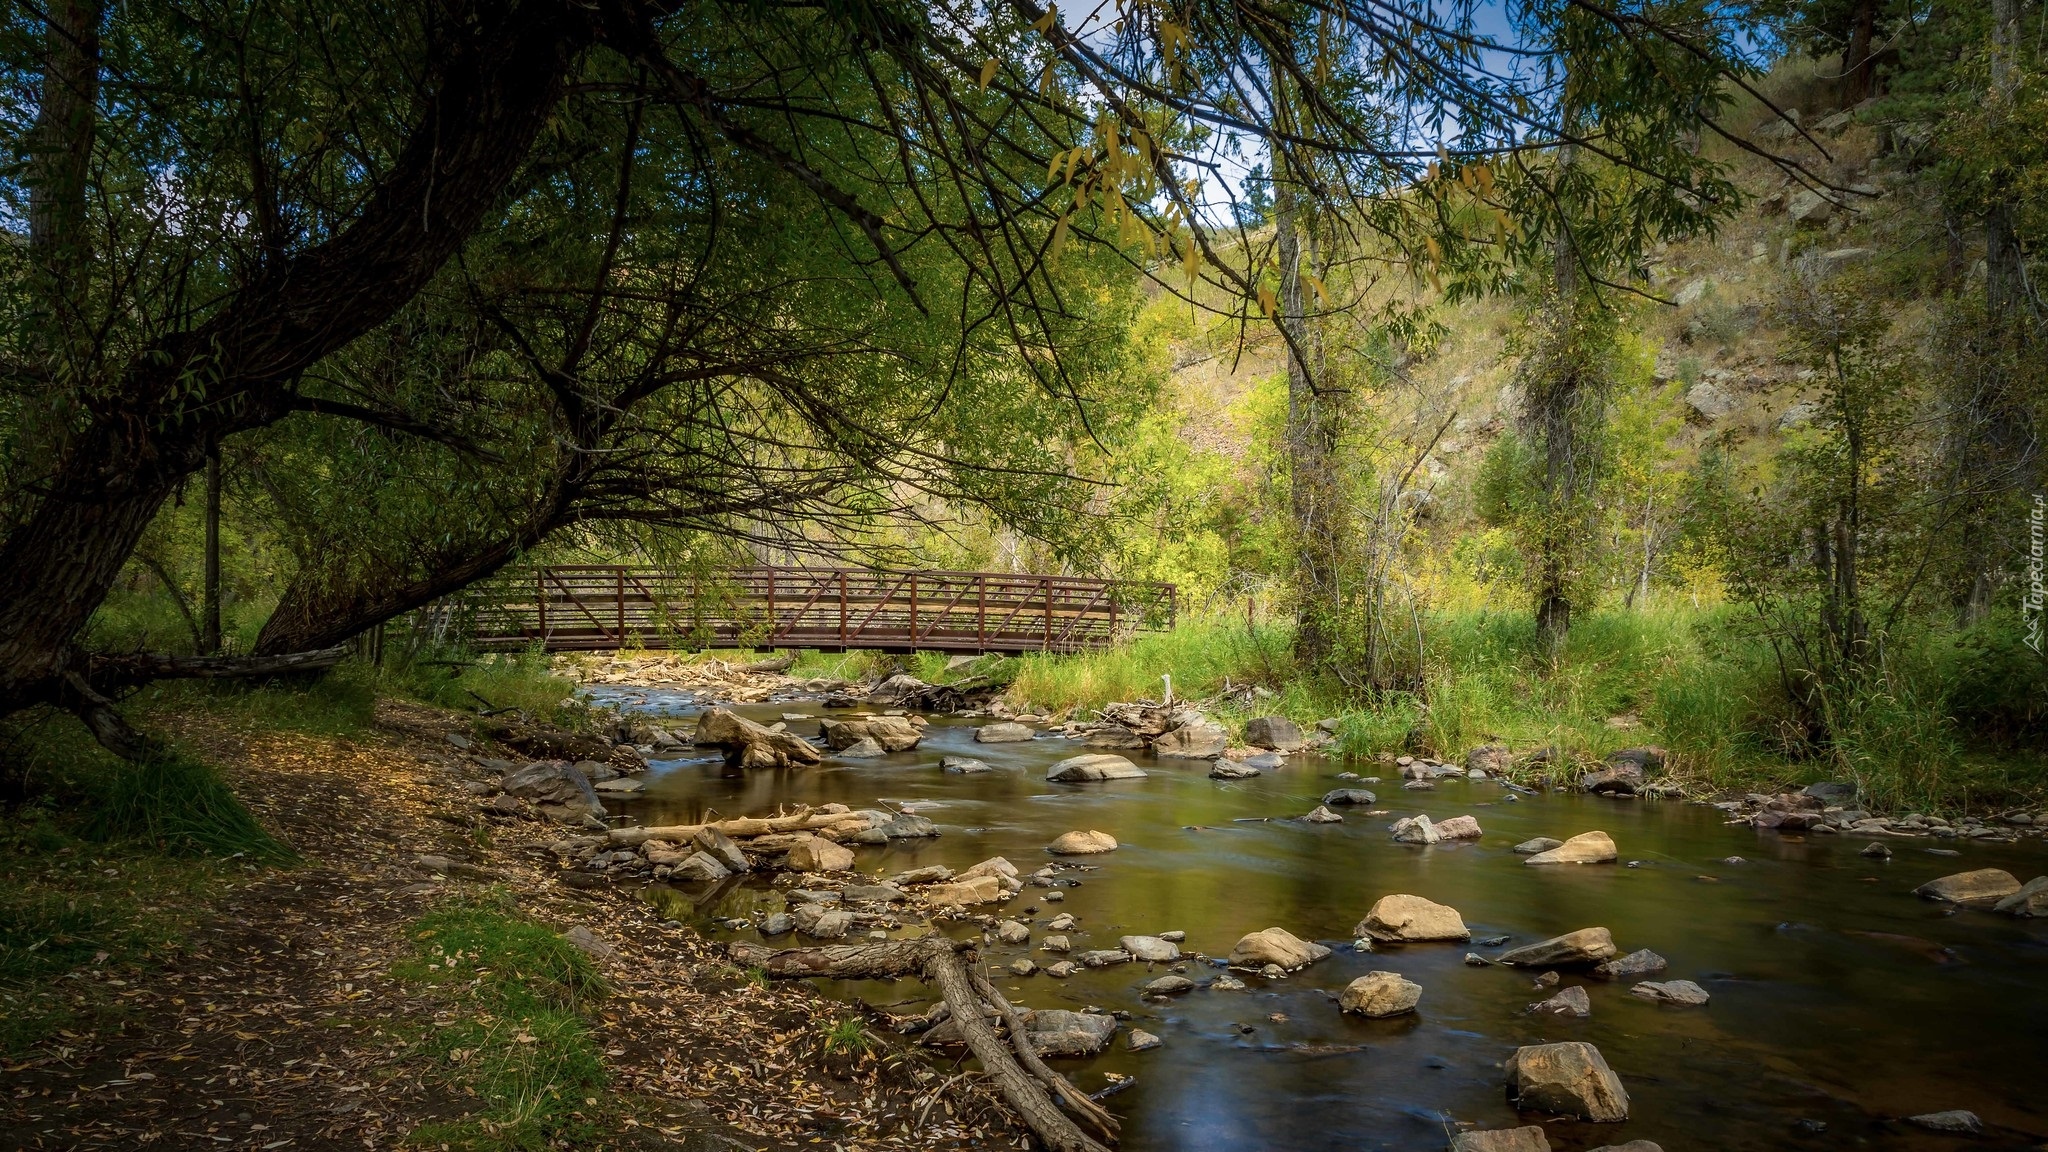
[1839, 999]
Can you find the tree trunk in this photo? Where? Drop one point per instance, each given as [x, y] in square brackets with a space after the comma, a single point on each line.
[494, 90]
[1859, 66]
[209, 590]
[1556, 403]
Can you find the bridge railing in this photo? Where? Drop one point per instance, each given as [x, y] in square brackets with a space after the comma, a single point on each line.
[588, 607]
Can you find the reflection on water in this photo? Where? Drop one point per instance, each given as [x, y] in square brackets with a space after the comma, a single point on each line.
[1838, 997]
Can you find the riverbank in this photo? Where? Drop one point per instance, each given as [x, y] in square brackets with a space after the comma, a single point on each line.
[420, 976]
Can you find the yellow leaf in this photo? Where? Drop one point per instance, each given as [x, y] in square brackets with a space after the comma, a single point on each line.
[1436, 251]
[1316, 282]
[1053, 169]
[1059, 237]
[1052, 14]
[1045, 81]
[1266, 301]
[988, 71]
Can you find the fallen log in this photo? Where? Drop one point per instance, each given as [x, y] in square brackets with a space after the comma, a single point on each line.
[737, 828]
[1019, 1074]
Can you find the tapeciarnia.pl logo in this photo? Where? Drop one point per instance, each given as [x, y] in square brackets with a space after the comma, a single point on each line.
[2037, 552]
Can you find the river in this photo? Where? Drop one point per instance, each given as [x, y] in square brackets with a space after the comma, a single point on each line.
[1839, 999]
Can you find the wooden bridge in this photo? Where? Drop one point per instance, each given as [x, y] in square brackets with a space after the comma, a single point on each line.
[590, 607]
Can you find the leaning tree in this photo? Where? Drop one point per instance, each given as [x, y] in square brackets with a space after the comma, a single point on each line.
[466, 274]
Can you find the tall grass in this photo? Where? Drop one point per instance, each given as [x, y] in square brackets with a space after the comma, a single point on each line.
[521, 1045]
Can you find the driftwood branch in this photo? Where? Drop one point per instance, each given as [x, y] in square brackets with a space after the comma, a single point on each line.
[738, 828]
[936, 959]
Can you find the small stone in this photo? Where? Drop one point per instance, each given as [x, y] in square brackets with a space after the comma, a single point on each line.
[1169, 986]
[1056, 944]
[777, 924]
[1539, 844]
[1380, 994]
[1459, 828]
[1876, 851]
[1547, 980]
[865, 748]
[1141, 1041]
[963, 765]
[1095, 766]
[1570, 1001]
[1415, 830]
[1232, 770]
[1012, 932]
[1022, 966]
[1322, 815]
[1175, 936]
[816, 854]
[1475, 960]
[1104, 957]
[1004, 732]
[1403, 919]
[1641, 962]
[1683, 993]
[1082, 844]
[1349, 796]
[704, 866]
[1055, 896]
[1226, 983]
[1062, 969]
[1277, 947]
[588, 943]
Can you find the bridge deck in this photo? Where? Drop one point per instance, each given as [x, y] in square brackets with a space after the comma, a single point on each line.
[590, 607]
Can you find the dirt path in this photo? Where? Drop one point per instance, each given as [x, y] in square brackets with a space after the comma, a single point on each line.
[280, 1024]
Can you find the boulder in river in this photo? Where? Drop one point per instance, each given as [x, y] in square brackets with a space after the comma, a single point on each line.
[1585, 946]
[1023, 966]
[1112, 736]
[1196, 740]
[1150, 949]
[1529, 1138]
[1103, 957]
[1275, 732]
[1141, 1041]
[1232, 770]
[873, 894]
[963, 765]
[1459, 828]
[1013, 932]
[894, 733]
[1322, 815]
[1641, 962]
[1350, 796]
[2030, 900]
[975, 890]
[700, 866]
[1088, 843]
[1585, 848]
[1415, 830]
[1094, 766]
[1380, 994]
[1683, 993]
[1983, 888]
[865, 748]
[1003, 732]
[1569, 1079]
[1058, 1032]
[1876, 851]
[1570, 1001]
[777, 924]
[751, 745]
[1275, 946]
[1169, 986]
[1539, 844]
[1405, 919]
[816, 854]
[1062, 969]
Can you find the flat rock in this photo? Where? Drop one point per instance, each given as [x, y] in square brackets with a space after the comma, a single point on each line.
[1112, 736]
[1232, 770]
[1199, 740]
[1057, 944]
[1459, 828]
[929, 874]
[819, 855]
[1275, 946]
[1568, 1002]
[1641, 962]
[1003, 732]
[865, 748]
[1404, 919]
[1585, 848]
[2030, 900]
[1525, 1139]
[1955, 1120]
[1275, 732]
[872, 894]
[1568, 1079]
[1082, 844]
[1415, 830]
[1141, 1041]
[1350, 796]
[1169, 986]
[621, 786]
[1023, 966]
[1058, 1032]
[822, 923]
[1585, 946]
[1380, 994]
[1103, 957]
[963, 765]
[893, 733]
[1094, 766]
[1322, 815]
[1539, 844]
[701, 866]
[1983, 888]
[1062, 969]
[975, 890]
[1684, 993]
[1150, 949]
